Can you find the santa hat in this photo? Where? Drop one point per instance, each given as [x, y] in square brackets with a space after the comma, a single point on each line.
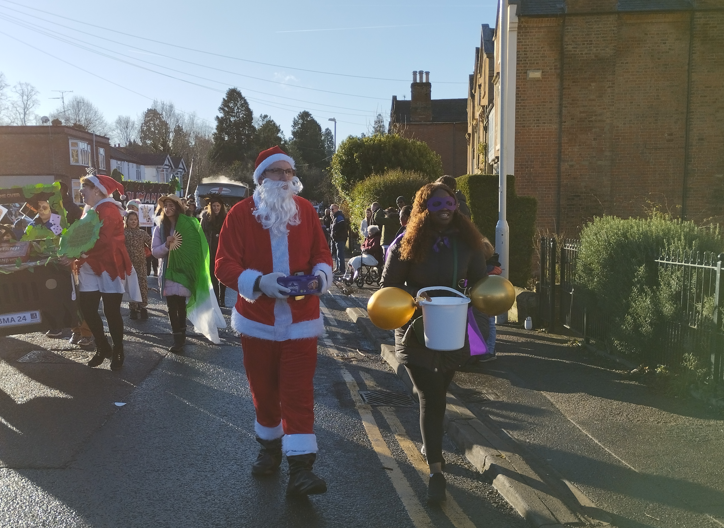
[266, 158]
[106, 184]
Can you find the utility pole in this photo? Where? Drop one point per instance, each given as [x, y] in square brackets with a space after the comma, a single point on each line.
[502, 234]
[335, 132]
[62, 98]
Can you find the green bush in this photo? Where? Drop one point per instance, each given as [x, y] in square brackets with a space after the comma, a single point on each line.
[385, 189]
[481, 191]
[618, 273]
[358, 158]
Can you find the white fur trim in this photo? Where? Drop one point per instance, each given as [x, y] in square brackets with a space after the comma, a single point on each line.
[97, 183]
[301, 330]
[299, 444]
[268, 433]
[271, 159]
[246, 284]
[327, 270]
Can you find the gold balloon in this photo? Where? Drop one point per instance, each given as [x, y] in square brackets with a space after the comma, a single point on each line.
[390, 308]
[493, 295]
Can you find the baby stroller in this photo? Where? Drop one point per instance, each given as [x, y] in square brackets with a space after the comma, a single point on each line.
[366, 274]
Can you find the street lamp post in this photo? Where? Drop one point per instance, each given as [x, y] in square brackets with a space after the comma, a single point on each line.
[335, 132]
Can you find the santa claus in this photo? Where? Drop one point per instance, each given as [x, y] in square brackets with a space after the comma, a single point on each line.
[270, 235]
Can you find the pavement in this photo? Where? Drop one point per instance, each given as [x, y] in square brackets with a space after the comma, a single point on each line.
[569, 440]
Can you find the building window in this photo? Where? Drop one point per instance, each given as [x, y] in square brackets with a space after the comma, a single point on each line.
[138, 173]
[79, 153]
[102, 159]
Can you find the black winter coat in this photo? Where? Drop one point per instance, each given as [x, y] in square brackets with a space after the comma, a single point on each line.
[435, 270]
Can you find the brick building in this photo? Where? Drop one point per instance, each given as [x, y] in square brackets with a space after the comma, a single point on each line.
[44, 154]
[616, 105]
[441, 123]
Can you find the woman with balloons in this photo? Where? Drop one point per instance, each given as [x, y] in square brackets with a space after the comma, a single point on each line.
[441, 247]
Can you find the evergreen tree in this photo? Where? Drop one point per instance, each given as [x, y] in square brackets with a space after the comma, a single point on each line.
[328, 144]
[155, 134]
[235, 132]
[379, 125]
[308, 142]
[268, 134]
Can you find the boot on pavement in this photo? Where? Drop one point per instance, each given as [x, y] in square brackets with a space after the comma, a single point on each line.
[269, 458]
[103, 351]
[118, 357]
[436, 489]
[301, 479]
[179, 340]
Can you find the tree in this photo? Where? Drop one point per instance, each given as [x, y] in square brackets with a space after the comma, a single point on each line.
[80, 111]
[308, 142]
[235, 132]
[155, 134]
[359, 158]
[23, 105]
[125, 130]
[379, 125]
[329, 145]
[181, 142]
[268, 134]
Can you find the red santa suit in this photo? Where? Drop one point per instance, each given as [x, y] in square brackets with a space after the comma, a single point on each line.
[279, 336]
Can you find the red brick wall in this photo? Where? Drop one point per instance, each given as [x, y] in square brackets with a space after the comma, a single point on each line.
[446, 139]
[44, 150]
[624, 115]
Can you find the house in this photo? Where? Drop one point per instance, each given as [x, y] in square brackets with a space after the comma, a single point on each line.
[128, 164]
[47, 153]
[441, 123]
[611, 107]
[160, 168]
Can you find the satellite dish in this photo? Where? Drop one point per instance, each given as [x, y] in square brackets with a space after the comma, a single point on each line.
[44, 120]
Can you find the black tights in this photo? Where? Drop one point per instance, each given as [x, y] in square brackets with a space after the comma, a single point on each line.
[177, 312]
[432, 392]
[111, 309]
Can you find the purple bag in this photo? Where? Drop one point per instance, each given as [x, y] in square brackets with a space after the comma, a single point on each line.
[477, 342]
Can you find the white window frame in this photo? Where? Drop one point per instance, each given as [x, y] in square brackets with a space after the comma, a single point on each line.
[138, 173]
[102, 158]
[82, 151]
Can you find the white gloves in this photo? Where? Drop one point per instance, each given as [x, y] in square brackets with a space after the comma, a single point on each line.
[271, 288]
[322, 281]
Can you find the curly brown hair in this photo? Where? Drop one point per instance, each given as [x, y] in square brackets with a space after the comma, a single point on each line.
[420, 235]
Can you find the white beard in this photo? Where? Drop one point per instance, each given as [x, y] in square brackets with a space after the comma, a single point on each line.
[275, 205]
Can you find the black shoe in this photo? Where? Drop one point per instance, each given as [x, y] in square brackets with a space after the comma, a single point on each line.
[301, 479]
[118, 357]
[144, 314]
[134, 314]
[436, 489]
[269, 458]
[103, 351]
[179, 340]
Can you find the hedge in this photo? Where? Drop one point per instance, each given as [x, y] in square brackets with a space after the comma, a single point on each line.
[481, 191]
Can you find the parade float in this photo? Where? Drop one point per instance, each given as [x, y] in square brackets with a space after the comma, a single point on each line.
[37, 292]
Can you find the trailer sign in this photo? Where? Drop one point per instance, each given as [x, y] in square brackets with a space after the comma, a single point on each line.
[18, 319]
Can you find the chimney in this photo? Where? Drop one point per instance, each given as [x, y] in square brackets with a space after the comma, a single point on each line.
[420, 102]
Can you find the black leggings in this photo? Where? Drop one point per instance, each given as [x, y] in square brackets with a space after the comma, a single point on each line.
[219, 287]
[111, 309]
[177, 312]
[432, 392]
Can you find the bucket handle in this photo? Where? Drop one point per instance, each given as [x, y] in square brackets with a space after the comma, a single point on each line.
[445, 288]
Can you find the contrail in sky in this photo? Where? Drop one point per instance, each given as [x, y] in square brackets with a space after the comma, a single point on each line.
[348, 28]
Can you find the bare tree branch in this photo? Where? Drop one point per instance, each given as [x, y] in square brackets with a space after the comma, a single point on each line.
[24, 103]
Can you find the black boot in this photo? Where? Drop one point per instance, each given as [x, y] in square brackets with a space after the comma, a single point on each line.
[103, 351]
[269, 459]
[179, 340]
[118, 357]
[301, 479]
[436, 489]
[144, 314]
[134, 314]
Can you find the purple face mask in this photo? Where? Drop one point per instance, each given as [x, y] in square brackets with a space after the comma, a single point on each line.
[436, 204]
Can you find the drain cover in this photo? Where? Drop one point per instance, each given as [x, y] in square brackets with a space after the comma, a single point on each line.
[381, 397]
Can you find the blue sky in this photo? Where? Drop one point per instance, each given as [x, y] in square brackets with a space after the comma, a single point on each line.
[279, 54]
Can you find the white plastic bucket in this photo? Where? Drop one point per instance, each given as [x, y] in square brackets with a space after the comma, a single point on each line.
[445, 319]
